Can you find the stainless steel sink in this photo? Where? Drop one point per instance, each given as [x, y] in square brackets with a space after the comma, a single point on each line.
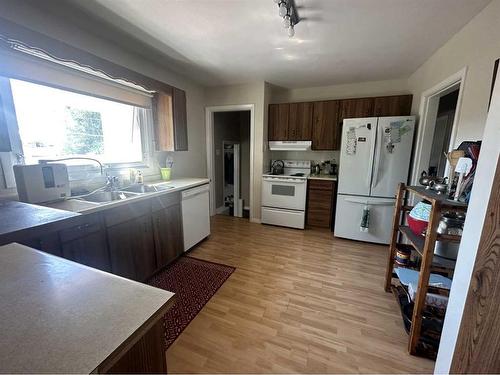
[141, 189]
[162, 186]
[108, 196]
[148, 188]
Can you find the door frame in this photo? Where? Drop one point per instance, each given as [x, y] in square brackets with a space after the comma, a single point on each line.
[209, 119]
[429, 102]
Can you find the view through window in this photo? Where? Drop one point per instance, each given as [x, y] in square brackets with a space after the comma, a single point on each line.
[55, 123]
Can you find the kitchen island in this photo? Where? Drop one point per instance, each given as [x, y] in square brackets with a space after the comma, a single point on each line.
[58, 316]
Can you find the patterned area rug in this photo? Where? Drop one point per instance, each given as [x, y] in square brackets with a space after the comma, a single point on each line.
[194, 281]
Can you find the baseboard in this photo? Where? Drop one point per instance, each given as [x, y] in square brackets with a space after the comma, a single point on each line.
[255, 220]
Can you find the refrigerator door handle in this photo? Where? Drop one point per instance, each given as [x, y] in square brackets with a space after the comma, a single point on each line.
[376, 164]
[370, 167]
[368, 202]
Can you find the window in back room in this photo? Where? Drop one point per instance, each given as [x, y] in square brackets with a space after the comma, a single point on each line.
[55, 123]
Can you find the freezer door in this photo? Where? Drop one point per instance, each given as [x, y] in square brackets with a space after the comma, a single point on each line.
[356, 155]
[392, 154]
[350, 212]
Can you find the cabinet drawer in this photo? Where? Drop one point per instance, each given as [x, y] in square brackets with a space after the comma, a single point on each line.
[320, 185]
[127, 212]
[165, 201]
[84, 228]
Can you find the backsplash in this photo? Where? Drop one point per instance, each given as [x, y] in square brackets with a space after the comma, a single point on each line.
[315, 156]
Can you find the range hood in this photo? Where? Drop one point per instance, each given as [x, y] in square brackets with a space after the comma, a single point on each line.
[290, 145]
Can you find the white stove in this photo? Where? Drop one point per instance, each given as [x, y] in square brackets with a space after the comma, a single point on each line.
[284, 195]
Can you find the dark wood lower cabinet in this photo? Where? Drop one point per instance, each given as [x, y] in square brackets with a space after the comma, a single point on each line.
[131, 248]
[85, 243]
[133, 240]
[167, 224]
[48, 242]
[146, 356]
[320, 203]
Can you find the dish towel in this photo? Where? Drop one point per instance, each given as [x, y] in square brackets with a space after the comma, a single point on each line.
[365, 220]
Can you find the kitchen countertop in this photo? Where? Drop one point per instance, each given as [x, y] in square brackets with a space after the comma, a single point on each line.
[84, 207]
[325, 177]
[19, 216]
[58, 316]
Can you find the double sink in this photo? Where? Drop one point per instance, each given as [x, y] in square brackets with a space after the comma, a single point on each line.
[131, 191]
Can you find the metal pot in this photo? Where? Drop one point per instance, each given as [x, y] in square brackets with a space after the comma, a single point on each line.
[449, 224]
[440, 186]
[426, 180]
[316, 169]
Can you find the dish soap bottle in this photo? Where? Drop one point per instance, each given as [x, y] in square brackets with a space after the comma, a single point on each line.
[139, 178]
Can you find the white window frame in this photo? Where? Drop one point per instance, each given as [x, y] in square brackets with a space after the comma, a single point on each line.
[146, 165]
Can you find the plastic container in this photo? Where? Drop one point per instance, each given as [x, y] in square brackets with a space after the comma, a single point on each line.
[418, 219]
[166, 173]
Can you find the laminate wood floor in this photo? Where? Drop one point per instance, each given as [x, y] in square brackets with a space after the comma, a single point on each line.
[299, 301]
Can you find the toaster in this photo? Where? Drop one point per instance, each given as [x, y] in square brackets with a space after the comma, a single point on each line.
[37, 183]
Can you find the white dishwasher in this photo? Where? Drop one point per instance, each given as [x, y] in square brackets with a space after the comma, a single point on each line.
[195, 215]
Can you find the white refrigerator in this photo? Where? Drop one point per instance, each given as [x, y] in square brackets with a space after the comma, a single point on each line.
[374, 157]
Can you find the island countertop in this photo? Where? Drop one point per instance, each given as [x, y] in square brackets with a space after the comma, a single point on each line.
[58, 316]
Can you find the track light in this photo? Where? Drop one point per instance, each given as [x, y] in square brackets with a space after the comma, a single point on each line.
[288, 11]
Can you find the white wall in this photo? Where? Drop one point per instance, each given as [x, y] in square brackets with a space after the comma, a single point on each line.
[476, 46]
[344, 91]
[187, 163]
[483, 181]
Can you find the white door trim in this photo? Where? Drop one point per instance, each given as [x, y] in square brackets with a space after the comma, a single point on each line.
[209, 119]
[426, 116]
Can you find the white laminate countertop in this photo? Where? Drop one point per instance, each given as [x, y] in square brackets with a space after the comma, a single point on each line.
[324, 177]
[59, 316]
[84, 207]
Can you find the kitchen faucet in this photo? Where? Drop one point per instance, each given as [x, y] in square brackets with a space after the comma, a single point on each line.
[45, 161]
[112, 183]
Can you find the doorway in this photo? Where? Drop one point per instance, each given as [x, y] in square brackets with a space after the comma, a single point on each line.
[231, 155]
[438, 118]
[442, 133]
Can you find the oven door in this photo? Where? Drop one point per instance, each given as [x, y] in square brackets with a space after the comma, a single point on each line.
[284, 192]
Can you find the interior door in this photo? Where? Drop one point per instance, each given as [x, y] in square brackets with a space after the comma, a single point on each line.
[356, 155]
[392, 154]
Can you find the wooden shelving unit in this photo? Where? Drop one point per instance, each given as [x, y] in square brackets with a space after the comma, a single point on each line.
[424, 246]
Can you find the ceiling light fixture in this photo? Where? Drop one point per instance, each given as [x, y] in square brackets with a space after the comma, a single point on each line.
[288, 11]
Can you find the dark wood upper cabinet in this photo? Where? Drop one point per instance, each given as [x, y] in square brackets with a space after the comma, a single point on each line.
[278, 122]
[180, 119]
[325, 131]
[356, 108]
[170, 120]
[85, 243]
[322, 121]
[399, 105]
[300, 121]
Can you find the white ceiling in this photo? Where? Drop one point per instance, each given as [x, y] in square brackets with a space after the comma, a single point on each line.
[338, 41]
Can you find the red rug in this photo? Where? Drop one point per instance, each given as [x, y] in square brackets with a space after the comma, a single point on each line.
[194, 281]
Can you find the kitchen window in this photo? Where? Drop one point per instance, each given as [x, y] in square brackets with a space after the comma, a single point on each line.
[55, 123]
